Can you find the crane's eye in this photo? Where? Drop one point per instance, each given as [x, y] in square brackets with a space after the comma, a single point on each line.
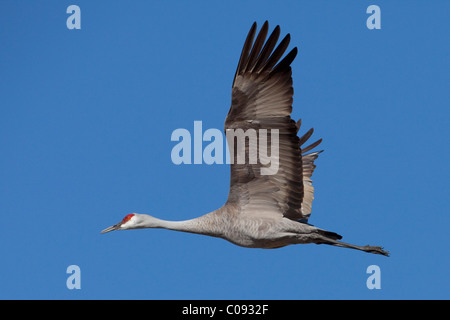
[127, 218]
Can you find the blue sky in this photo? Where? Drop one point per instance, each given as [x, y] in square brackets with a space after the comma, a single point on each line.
[86, 118]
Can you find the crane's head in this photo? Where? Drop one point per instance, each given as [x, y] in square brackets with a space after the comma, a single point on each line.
[131, 221]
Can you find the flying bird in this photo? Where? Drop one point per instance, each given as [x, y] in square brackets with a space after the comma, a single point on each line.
[262, 210]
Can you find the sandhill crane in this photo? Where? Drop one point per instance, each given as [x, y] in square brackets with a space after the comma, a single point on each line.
[262, 211]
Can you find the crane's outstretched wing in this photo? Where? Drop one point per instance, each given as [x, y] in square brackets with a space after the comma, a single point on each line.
[262, 99]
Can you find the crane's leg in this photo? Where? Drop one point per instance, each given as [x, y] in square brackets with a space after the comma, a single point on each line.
[311, 234]
[367, 248]
[331, 238]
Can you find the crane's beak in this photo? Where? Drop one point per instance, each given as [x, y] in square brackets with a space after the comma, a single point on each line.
[112, 228]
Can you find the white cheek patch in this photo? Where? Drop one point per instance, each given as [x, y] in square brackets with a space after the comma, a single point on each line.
[130, 223]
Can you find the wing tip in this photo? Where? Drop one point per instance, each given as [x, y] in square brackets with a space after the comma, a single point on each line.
[264, 56]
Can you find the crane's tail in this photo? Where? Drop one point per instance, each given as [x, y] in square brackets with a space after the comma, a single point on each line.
[332, 238]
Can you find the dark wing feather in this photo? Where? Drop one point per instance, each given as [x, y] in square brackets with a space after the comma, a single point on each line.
[262, 99]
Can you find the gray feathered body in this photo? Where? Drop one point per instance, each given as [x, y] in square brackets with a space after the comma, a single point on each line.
[267, 231]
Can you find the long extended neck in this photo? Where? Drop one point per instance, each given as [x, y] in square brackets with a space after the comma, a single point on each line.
[207, 225]
[184, 226]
